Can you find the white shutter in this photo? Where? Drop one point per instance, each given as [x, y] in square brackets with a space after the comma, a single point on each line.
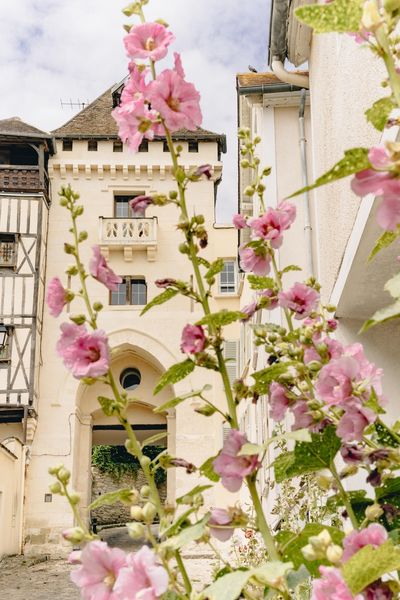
[231, 354]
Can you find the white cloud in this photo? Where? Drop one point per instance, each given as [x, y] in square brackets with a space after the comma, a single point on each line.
[52, 50]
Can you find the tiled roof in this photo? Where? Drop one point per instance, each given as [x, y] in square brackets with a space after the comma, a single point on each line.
[95, 121]
[255, 79]
[18, 128]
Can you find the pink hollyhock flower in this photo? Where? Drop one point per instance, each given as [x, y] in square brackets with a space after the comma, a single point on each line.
[278, 401]
[84, 354]
[335, 380]
[302, 417]
[257, 261]
[177, 101]
[139, 204]
[334, 349]
[231, 467]
[249, 311]
[378, 591]
[380, 179]
[273, 222]
[57, 297]
[135, 121]
[148, 40]
[75, 557]
[388, 213]
[332, 586]
[352, 424]
[374, 535]
[142, 577]
[368, 372]
[99, 570]
[301, 299]
[136, 87]
[100, 270]
[239, 221]
[221, 517]
[193, 339]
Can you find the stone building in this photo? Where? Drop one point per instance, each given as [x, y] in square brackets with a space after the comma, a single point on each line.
[89, 156]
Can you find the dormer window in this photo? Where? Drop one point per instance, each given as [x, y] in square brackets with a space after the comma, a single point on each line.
[92, 146]
[193, 146]
[118, 146]
[8, 251]
[165, 147]
[144, 146]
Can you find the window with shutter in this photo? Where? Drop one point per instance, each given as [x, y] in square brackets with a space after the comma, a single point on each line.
[228, 277]
[8, 251]
[231, 355]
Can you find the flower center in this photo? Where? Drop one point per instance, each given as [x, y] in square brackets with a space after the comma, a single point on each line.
[173, 103]
[150, 44]
[109, 580]
[93, 354]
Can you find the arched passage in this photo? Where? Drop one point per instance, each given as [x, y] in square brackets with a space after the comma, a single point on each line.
[137, 370]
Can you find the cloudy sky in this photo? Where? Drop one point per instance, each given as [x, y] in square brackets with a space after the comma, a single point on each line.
[52, 50]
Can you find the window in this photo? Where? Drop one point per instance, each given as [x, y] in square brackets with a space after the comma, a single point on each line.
[132, 291]
[165, 147]
[144, 146]
[5, 352]
[92, 145]
[231, 355]
[121, 206]
[227, 278]
[118, 146]
[8, 251]
[193, 146]
[67, 145]
[130, 378]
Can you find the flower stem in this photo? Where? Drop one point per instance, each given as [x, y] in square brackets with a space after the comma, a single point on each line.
[345, 496]
[182, 568]
[280, 287]
[261, 521]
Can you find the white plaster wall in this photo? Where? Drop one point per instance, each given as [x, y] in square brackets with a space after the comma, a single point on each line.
[12, 465]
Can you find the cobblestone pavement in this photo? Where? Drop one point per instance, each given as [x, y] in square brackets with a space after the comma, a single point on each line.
[36, 578]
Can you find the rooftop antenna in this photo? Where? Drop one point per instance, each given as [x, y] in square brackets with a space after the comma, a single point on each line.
[79, 104]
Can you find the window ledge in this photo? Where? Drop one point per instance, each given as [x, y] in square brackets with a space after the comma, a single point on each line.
[120, 307]
[230, 295]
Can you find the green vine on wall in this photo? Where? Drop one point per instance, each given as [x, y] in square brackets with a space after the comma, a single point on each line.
[117, 462]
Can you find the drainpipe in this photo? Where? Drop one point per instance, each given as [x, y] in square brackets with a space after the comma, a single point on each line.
[287, 76]
[305, 183]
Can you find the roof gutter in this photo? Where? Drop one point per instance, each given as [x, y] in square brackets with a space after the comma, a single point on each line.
[267, 89]
[277, 50]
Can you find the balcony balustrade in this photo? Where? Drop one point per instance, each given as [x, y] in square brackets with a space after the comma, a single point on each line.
[129, 233]
[22, 178]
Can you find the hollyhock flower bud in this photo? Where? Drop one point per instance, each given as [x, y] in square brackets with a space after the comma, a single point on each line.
[268, 298]
[136, 530]
[373, 512]
[75, 535]
[205, 170]
[193, 339]
[255, 260]
[57, 297]
[334, 553]
[230, 466]
[351, 454]
[278, 401]
[99, 570]
[148, 40]
[100, 270]
[142, 577]
[177, 101]
[374, 535]
[301, 299]
[332, 585]
[222, 518]
[137, 513]
[164, 283]
[388, 213]
[139, 204]
[239, 221]
[75, 557]
[249, 311]
[84, 354]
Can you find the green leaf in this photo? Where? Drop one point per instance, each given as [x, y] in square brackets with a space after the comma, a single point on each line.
[175, 373]
[358, 500]
[369, 564]
[207, 469]
[265, 377]
[385, 435]
[386, 239]
[382, 316]
[260, 283]
[123, 495]
[308, 456]
[174, 527]
[341, 16]
[215, 268]
[160, 299]
[272, 573]
[189, 534]
[290, 268]
[391, 486]
[199, 489]
[393, 286]
[373, 403]
[379, 112]
[221, 318]
[354, 160]
[228, 587]
[291, 545]
[301, 435]
[179, 399]
[108, 406]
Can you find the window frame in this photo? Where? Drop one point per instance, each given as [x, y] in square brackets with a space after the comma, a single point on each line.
[144, 145]
[128, 197]
[13, 239]
[95, 145]
[5, 359]
[128, 281]
[234, 292]
[193, 146]
[118, 146]
[67, 145]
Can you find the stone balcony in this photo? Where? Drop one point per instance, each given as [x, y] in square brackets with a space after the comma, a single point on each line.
[130, 234]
